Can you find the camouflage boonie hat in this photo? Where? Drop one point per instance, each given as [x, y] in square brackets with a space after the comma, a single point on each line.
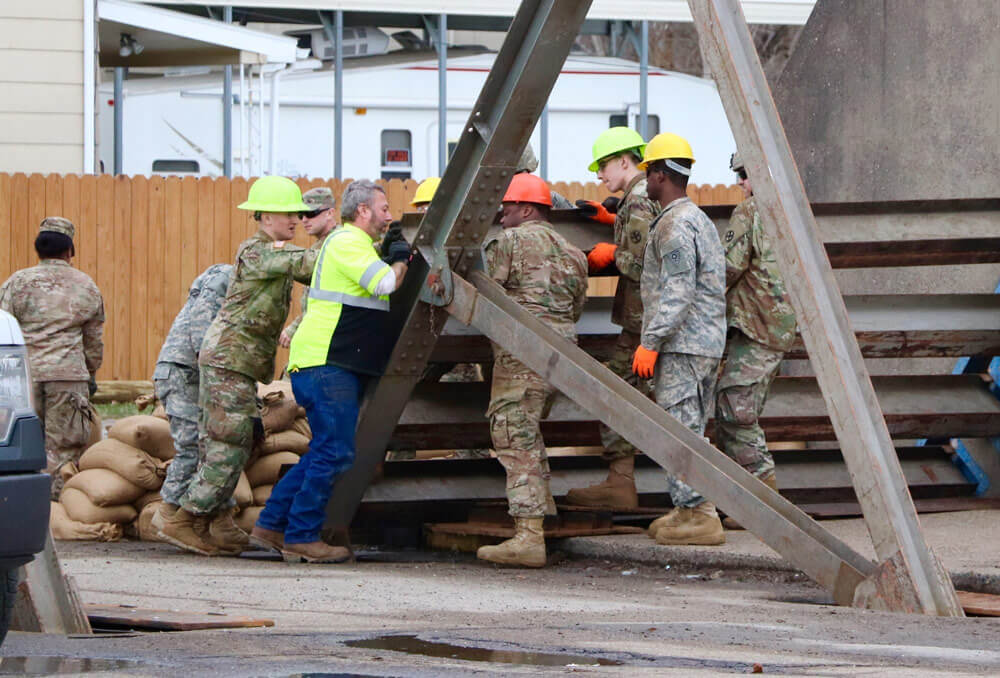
[319, 198]
[57, 225]
[528, 161]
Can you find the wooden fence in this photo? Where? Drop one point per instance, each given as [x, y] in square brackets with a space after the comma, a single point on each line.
[144, 239]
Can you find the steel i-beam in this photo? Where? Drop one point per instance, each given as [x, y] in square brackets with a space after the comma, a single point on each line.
[775, 520]
[909, 577]
[463, 208]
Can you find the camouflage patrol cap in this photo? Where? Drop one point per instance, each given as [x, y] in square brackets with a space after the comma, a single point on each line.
[736, 162]
[57, 225]
[528, 161]
[320, 198]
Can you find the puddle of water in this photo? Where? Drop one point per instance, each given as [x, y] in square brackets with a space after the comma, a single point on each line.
[47, 666]
[414, 645]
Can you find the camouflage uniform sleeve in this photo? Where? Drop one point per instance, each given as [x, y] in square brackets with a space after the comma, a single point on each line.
[737, 242]
[500, 257]
[677, 280]
[294, 325]
[632, 244]
[93, 337]
[267, 261]
[7, 298]
[206, 306]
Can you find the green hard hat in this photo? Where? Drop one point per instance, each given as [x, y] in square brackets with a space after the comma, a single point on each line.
[275, 194]
[614, 141]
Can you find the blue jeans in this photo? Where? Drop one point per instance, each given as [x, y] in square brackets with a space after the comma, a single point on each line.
[297, 506]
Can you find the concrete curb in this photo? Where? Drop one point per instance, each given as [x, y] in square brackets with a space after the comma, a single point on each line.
[626, 550]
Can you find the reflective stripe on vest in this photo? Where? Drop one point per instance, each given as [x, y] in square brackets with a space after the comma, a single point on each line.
[342, 297]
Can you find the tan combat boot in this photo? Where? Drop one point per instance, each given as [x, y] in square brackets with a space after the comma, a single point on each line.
[526, 548]
[164, 511]
[771, 481]
[662, 521]
[225, 535]
[550, 504]
[314, 552]
[187, 531]
[267, 539]
[616, 491]
[698, 526]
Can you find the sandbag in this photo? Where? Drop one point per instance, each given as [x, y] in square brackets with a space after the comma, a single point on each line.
[286, 441]
[129, 462]
[96, 426]
[147, 499]
[278, 413]
[301, 425]
[66, 529]
[243, 495]
[148, 433]
[261, 494]
[144, 523]
[247, 518]
[104, 487]
[79, 507]
[265, 470]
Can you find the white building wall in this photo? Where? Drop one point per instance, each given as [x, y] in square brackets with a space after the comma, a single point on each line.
[42, 85]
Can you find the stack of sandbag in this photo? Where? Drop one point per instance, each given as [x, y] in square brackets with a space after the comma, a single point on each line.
[118, 481]
[286, 438]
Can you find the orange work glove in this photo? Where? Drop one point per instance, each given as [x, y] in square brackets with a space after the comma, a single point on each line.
[644, 362]
[601, 256]
[596, 211]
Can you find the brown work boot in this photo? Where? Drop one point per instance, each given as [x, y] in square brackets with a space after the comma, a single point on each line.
[662, 521]
[187, 531]
[225, 535]
[267, 539]
[698, 526]
[314, 552]
[164, 511]
[616, 491]
[526, 548]
[771, 481]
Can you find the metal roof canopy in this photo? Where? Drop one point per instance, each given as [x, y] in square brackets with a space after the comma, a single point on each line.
[172, 38]
[483, 15]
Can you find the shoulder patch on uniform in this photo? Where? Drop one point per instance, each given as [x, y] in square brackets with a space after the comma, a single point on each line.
[730, 234]
[635, 236]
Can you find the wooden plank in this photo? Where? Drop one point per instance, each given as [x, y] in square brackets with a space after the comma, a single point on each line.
[121, 301]
[139, 310]
[6, 230]
[105, 267]
[140, 619]
[979, 604]
[206, 215]
[240, 227]
[157, 326]
[173, 249]
[189, 235]
[54, 195]
[36, 212]
[121, 391]
[48, 601]
[86, 251]
[221, 190]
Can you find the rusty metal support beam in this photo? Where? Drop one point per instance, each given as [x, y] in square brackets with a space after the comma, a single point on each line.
[909, 578]
[451, 232]
[776, 521]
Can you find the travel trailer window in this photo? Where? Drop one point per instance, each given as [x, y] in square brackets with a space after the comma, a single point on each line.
[652, 122]
[176, 166]
[397, 156]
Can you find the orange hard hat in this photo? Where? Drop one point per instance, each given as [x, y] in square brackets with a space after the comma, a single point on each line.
[528, 188]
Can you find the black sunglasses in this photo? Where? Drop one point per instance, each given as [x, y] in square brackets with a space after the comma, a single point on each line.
[742, 174]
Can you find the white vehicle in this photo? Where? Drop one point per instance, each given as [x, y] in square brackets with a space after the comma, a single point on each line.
[173, 125]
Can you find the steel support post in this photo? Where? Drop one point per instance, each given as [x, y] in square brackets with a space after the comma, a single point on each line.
[335, 34]
[644, 80]
[442, 47]
[119, 98]
[227, 108]
[452, 231]
[775, 520]
[909, 578]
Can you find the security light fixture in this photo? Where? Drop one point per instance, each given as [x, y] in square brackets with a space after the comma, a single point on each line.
[129, 46]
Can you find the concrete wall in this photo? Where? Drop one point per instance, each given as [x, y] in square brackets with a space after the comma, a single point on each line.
[42, 85]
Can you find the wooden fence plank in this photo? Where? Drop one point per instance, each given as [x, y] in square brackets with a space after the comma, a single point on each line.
[86, 251]
[139, 277]
[54, 195]
[189, 232]
[6, 230]
[36, 212]
[220, 221]
[174, 292]
[157, 326]
[205, 234]
[106, 268]
[121, 299]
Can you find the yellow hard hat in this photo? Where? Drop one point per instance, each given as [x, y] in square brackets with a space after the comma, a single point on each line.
[425, 191]
[665, 146]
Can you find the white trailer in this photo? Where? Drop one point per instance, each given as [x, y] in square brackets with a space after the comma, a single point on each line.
[173, 124]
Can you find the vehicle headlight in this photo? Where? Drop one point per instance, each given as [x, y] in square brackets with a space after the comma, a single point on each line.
[15, 386]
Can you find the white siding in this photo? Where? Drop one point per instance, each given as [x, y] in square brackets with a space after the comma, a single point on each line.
[41, 81]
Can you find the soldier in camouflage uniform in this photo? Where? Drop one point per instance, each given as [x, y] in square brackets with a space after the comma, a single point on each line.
[540, 270]
[238, 351]
[684, 324]
[617, 153]
[176, 378]
[761, 329]
[318, 223]
[61, 314]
